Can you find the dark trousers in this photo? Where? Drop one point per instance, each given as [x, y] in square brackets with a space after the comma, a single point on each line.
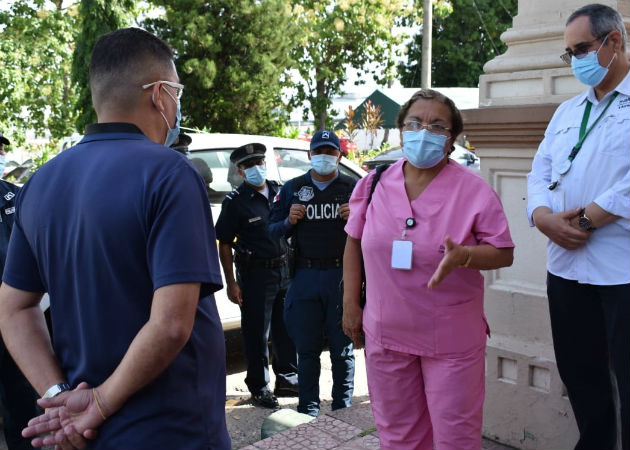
[313, 306]
[18, 402]
[263, 293]
[591, 335]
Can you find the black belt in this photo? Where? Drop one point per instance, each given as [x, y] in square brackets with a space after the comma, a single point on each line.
[319, 263]
[273, 263]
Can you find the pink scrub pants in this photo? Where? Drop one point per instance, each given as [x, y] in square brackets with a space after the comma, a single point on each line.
[425, 403]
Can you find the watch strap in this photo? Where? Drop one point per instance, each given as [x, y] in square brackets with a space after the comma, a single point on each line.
[584, 222]
[56, 390]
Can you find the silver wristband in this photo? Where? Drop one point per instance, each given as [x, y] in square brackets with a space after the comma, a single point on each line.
[56, 390]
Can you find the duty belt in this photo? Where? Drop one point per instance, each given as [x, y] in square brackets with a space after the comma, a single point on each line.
[319, 263]
[273, 263]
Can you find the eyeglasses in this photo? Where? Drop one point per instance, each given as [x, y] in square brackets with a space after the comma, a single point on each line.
[581, 50]
[414, 125]
[179, 88]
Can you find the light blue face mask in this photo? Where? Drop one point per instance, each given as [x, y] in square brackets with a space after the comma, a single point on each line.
[587, 68]
[423, 149]
[256, 175]
[172, 133]
[324, 164]
[3, 165]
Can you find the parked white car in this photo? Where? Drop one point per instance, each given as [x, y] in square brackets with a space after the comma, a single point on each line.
[285, 159]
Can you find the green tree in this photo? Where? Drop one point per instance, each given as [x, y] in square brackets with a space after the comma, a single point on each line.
[36, 93]
[97, 17]
[232, 56]
[462, 43]
[341, 34]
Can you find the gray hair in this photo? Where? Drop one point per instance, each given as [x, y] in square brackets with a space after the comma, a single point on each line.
[603, 19]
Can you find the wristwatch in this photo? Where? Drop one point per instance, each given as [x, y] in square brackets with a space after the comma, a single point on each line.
[584, 222]
[56, 390]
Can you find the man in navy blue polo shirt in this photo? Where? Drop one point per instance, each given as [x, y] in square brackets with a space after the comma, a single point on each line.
[118, 231]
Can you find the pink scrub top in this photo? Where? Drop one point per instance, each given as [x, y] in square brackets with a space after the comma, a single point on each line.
[401, 313]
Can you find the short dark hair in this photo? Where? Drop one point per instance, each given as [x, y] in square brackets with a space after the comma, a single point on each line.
[603, 20]
[457, 124]
[122, 61]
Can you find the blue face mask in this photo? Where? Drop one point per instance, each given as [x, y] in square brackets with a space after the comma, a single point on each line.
[324, 164]
[256, 175]
[588, 70]
[172, 133]
[423, 149]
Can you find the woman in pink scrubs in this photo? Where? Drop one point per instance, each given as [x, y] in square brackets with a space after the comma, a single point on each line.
[429, 229]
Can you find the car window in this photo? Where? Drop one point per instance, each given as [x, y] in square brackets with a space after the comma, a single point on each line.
[291, 163]
[224, 177]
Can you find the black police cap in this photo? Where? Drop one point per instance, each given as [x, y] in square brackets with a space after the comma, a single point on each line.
[253, 151]
[181, 143]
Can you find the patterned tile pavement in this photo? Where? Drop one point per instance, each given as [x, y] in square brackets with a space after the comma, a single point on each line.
[345, 429]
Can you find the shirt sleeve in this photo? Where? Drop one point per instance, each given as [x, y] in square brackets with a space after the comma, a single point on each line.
[181, 244]
[538, 180]
[226, 228]
[616, 199]
[21, 269]
[278, 225]
[358, 207]
[491, 225]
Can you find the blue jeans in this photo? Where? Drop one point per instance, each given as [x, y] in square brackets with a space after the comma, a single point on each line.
[312, 307]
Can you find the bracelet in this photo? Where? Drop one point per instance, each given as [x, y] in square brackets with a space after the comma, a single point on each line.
[98, 405]
[56, 389]
[468, 257]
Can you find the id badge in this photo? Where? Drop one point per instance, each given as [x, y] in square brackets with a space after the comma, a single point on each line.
[557, 199]
[401, 255]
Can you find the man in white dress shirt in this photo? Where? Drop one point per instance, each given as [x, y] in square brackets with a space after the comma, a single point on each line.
[579, 197]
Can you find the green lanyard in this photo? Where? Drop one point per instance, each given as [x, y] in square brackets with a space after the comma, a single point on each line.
[583, 131]
[566, 166]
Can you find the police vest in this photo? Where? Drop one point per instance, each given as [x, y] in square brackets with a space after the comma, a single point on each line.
[320, 234]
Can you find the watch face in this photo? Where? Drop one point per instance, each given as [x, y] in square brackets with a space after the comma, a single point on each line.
[584, 223]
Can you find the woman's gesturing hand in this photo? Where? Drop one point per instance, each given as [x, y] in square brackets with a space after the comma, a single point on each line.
[454, 256]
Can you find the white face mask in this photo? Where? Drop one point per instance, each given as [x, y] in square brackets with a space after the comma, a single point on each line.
[256, 175]
[324, 164]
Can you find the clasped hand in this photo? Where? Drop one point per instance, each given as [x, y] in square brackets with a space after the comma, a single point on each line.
[69, 421]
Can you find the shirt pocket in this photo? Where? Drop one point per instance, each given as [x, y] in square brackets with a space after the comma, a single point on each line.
[460, 328]
[613, 134]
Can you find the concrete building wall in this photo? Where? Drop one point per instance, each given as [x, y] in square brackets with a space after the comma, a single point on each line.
[526, 404]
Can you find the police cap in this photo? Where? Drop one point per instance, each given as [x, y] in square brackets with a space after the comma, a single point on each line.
[248, 152]
[181, 143]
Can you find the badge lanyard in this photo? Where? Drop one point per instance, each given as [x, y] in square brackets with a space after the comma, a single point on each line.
[402, 250]
[566, 166]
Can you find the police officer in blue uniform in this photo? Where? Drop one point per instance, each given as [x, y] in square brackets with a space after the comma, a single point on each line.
[261, 280]
[16, 394]
[312, 209]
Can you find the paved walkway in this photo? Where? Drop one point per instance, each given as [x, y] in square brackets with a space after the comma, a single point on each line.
[345, 429]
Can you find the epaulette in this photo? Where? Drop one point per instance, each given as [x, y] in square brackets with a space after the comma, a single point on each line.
[232, 194]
